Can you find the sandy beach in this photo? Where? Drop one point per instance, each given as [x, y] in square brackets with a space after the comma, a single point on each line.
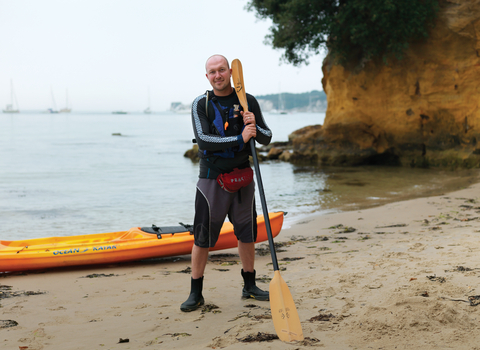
[402, 276]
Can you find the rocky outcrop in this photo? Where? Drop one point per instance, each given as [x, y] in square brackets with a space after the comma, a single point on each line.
[192, 153]
[420, 111]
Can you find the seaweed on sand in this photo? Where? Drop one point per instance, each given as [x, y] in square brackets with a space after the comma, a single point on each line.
[8, 323]
[259, 337]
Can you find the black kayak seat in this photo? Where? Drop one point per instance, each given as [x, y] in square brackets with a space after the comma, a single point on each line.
[163, 230]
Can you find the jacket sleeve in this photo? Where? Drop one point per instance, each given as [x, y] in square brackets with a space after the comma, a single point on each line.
[201, 128]
[264, 134]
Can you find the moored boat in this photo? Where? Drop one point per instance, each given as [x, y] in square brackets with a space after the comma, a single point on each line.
[67, 109]
[10, 107]
[106, 248]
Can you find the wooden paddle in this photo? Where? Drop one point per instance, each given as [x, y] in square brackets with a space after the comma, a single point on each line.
[284, 313]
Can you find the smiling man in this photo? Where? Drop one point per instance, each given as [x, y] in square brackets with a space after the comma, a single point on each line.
[222, 131]
[218, 74]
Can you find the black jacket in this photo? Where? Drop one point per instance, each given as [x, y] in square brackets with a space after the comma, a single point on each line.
[213, 146]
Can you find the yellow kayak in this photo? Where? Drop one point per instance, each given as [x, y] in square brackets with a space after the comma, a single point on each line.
[106, 248]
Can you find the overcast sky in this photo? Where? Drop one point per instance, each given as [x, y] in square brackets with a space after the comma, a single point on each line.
[110, 53]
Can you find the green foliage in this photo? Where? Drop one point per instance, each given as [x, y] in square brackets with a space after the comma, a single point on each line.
[352, 30]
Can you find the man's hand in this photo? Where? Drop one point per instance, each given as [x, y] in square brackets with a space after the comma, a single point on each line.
[248, 132]
[248, 117]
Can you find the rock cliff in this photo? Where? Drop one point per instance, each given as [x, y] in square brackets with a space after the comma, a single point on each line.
[420, 111]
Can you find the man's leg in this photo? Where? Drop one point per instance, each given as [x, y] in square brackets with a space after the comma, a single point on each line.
[244, 218]
[247, 255]
[211, 206]
[199, 261]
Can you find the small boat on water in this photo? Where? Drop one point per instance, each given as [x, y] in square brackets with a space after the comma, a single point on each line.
[67, 109]
[54, 109]
[148, 110]
[11, 108]
[106, 248]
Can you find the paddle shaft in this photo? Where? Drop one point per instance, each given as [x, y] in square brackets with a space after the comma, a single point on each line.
[237, 73]
[284, 313]
[264, 205]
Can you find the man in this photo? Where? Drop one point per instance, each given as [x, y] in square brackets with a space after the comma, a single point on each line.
[222, 135]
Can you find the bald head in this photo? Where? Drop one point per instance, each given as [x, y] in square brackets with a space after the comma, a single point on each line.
[216, 59]
[218, 73]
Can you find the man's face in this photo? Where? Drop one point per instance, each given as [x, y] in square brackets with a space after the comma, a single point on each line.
[218, 74]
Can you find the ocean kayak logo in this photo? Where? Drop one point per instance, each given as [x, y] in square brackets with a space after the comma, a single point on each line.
[77, 250]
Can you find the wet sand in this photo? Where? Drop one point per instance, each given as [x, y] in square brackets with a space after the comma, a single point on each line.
[405, 275]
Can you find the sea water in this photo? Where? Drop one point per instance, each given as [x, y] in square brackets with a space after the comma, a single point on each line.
[82, 173]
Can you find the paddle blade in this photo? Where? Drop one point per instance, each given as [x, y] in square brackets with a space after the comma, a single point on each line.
[284, 313]
[237, 77]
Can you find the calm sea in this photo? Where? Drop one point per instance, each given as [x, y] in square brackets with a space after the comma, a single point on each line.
[71, 174]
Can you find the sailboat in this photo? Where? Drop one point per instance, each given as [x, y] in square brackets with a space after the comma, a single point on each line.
[9, 108]
[54, 109]
[66, 109]
[281, 106]
[148, 110]
[281, 103]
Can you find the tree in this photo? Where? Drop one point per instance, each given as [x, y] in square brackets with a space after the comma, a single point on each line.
[351, 30]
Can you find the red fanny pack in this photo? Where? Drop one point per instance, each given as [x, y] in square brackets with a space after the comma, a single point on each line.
[235, 180]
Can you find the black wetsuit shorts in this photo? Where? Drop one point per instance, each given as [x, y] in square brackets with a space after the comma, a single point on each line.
[213, 204]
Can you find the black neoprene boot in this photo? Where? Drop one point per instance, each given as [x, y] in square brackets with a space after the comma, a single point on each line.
[195, 299]
[250, 289]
